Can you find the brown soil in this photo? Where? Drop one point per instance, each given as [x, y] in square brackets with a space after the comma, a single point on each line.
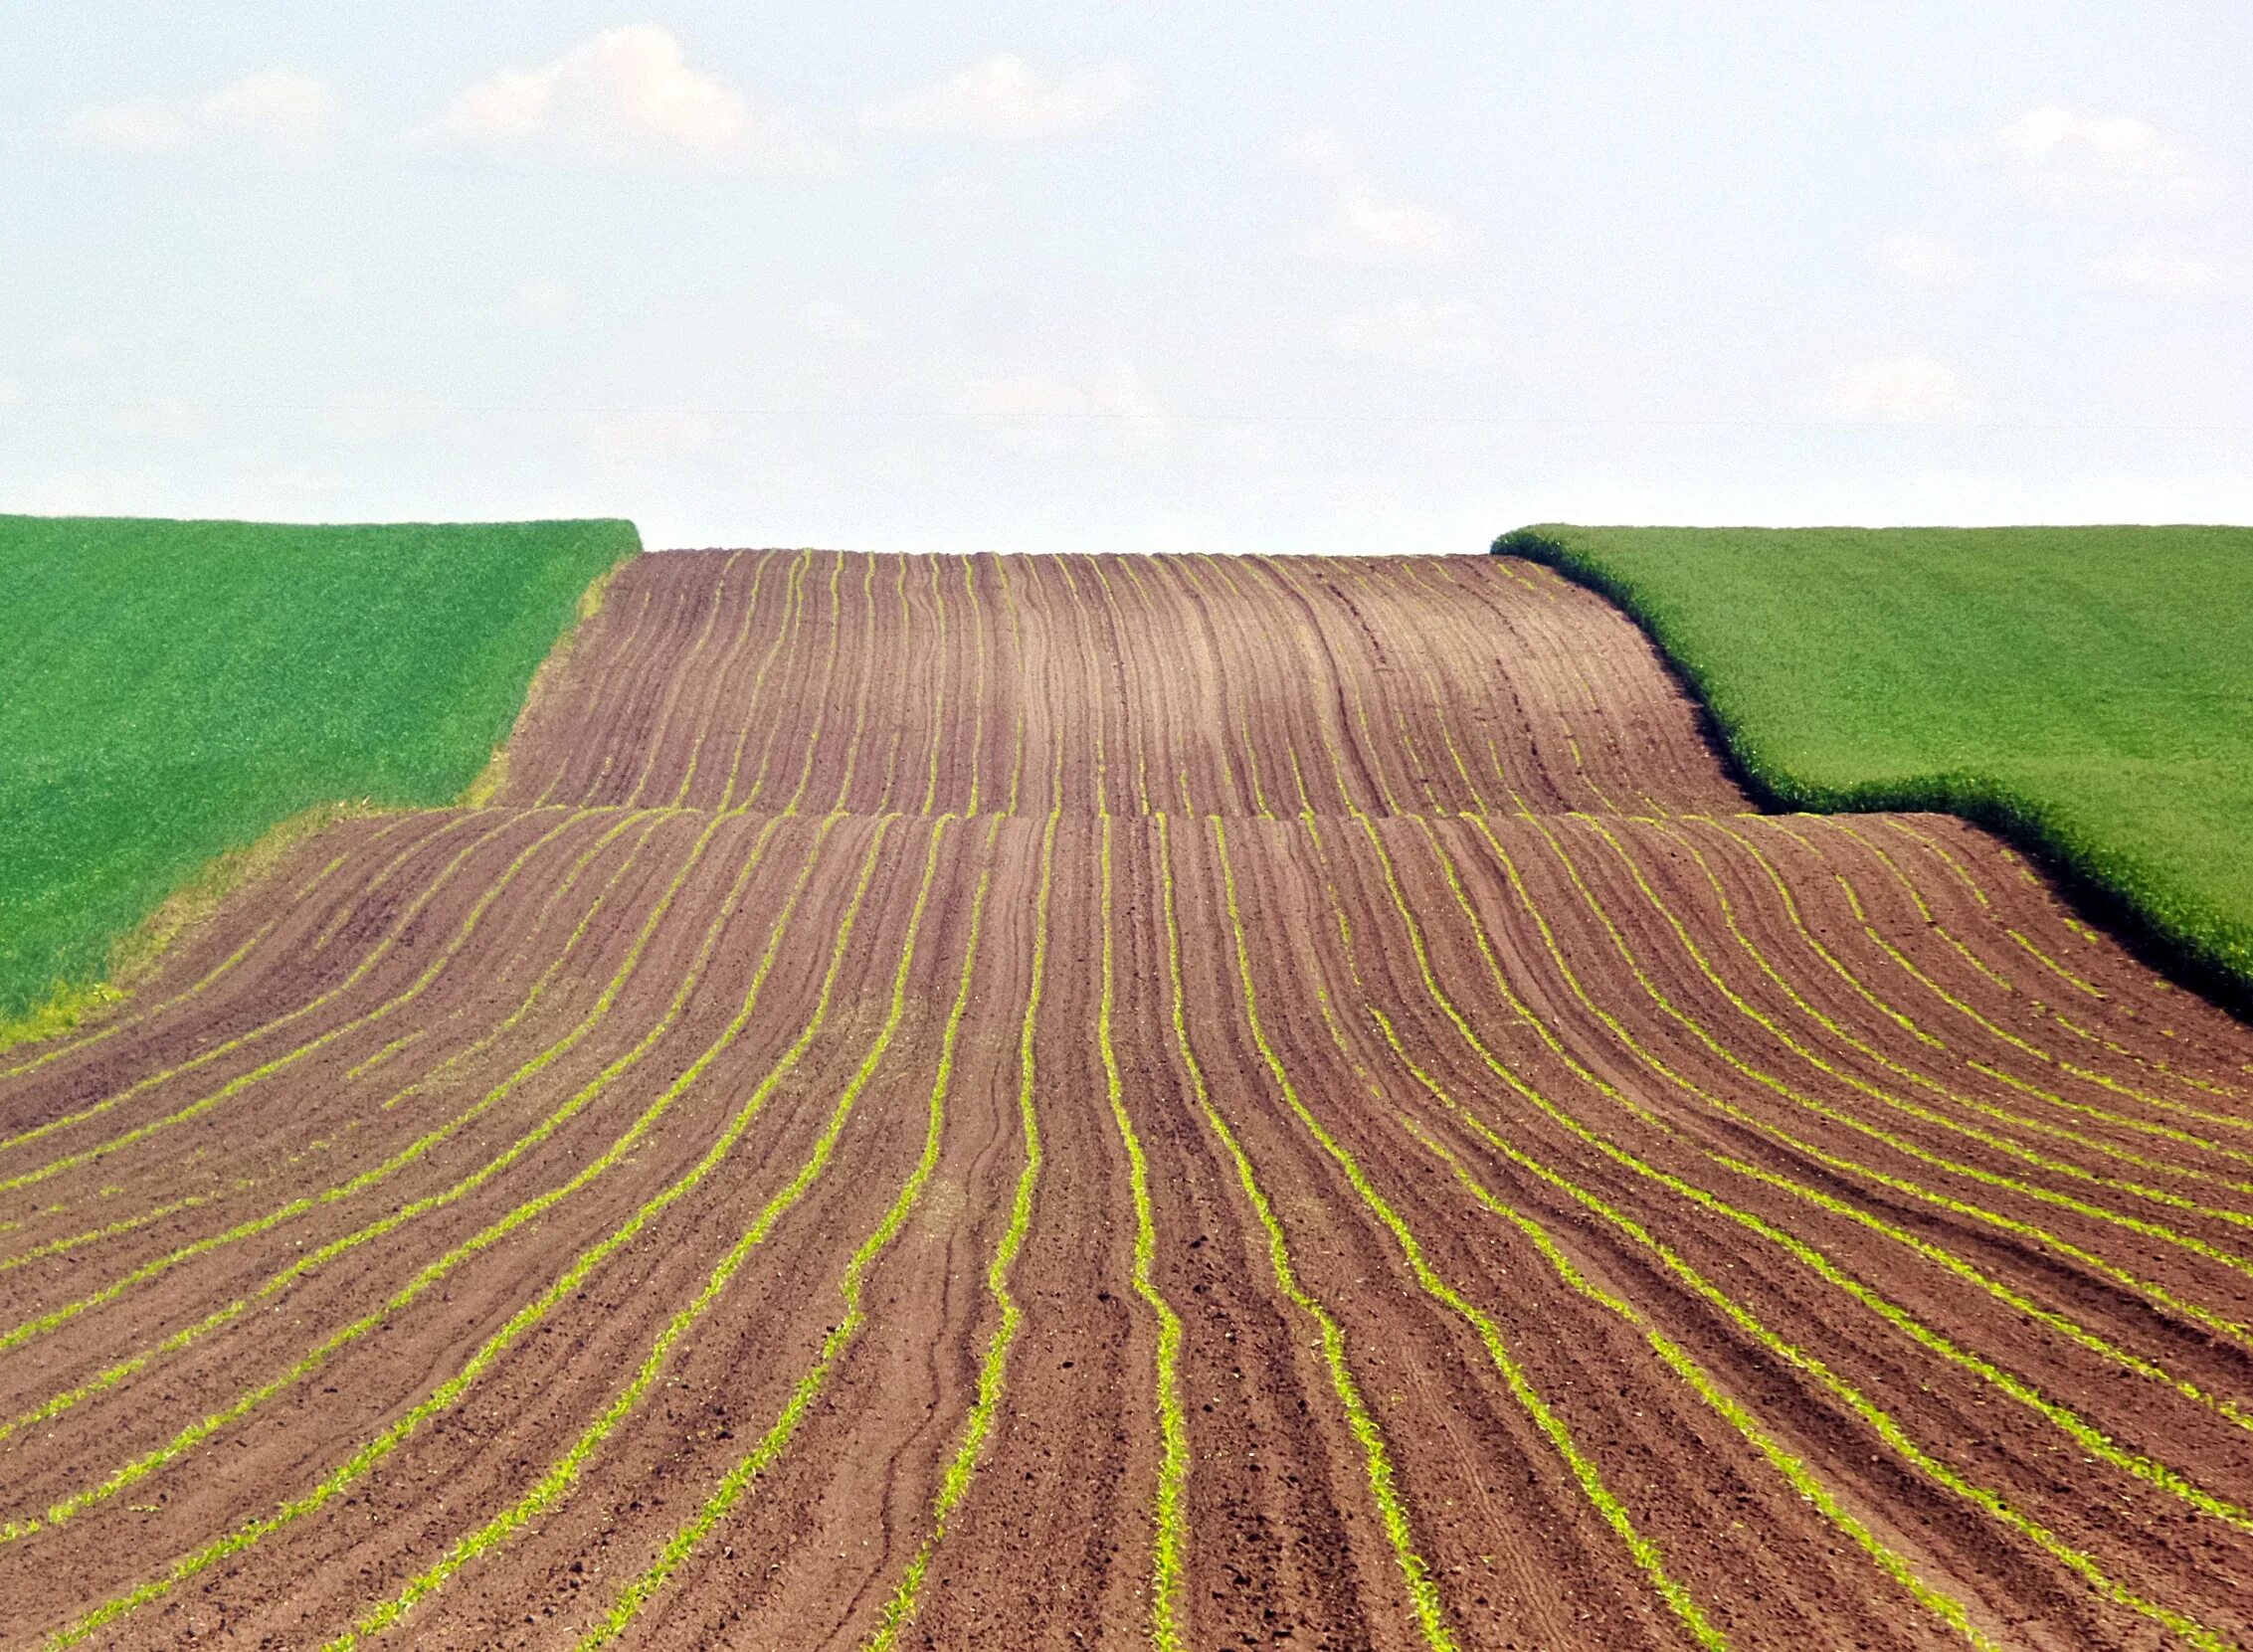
[1177, 1101]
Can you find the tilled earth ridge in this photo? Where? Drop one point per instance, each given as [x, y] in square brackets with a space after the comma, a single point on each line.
[1186, 1102]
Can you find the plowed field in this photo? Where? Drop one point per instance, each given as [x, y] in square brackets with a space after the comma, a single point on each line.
[1177, 1102]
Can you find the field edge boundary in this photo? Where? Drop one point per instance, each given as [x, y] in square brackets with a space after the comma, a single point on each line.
[2104, 893]
[493, 776]
[135, 953]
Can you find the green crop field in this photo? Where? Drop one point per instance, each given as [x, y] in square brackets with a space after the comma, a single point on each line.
[173, 689]
[2087, 691]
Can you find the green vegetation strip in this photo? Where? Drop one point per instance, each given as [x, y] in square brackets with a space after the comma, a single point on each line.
[1584, 1468]
[411, 1210]
[993, 1367]
[491, 1352]
[176, 688]
[1172, 1518]
[1425, 1605]
[434, 1272]
[1888, 1430]
[2087, 691]
[564, 1473]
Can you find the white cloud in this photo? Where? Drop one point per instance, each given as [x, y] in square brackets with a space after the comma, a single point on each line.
[74, 346]
[1005, 97]
[1414, 331]
[1922, 260]
[623, 94]
[1046, 412]
[1901, 389]
[282, 113]
[2176, 275]
[2110, 161]
[540, 303]
[1364, 220]
[826, 318]
[11, 393]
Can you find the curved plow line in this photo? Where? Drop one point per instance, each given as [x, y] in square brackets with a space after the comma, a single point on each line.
[1176, 747]
[397, 1221]
[1933, 922]
[899, 724]
[822, 702]
[1570, 658]
[1939, 851]
[1541, 643]
[1377, 1463]
[430, 1275]
[386, 1054]
[225, 966]
[1813, 1012]
[1088, 655]
[1844, 829]
[1965, 1009]
[2060, 1323]
[992, 1367]
[737, 1480]
[1347, 686]
[2068, 1422]
[1416, 765]
[345, 910]
[2083, 1433]
[860, 693]
[1793, 1469]
[620, 662]
[1171, 1520]
[1314, 654]
[2157, 1294]
[289, 1057]
[1439, 712]
[939, 691]
[351, 905]
[1583, 1469]
[1519, 1007]
[642, 675]
[1560, 655]
[2001, 1144]
[978, 692]
[794, 611]
[1022, 686]
[564, 1473]
[128, 1225]
[2033, 1191]
[1795, 1472]
[496, 1345]
[682, 672]
[1115, 619]
[718, 703]
[1243, 710]
[1180, 567]
[405, 1214]
[1801, 1478]
[793, 599]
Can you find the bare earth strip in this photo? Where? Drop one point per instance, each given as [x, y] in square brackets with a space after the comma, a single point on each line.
[1177, 1102]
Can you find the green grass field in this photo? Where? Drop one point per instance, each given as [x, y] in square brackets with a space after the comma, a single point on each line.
[2088, 691]
[173, 689]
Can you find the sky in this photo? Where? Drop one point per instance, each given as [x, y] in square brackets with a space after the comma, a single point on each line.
[1138, 275]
